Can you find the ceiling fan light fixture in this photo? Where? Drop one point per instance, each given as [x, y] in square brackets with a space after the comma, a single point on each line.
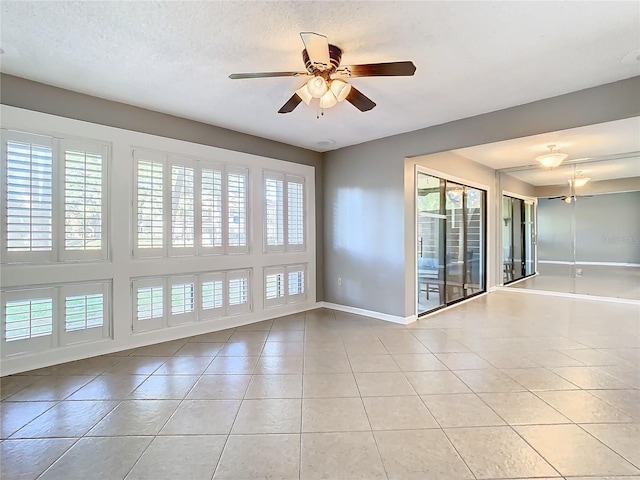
[328, 100]
[340, 89]
[551, 159]
[317, 86]
[303, 93]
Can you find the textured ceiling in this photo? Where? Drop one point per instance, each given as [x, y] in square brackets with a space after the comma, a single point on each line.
[175, 57]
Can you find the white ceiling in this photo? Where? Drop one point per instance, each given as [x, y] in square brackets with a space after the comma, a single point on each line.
[175, 57]
[605, 151]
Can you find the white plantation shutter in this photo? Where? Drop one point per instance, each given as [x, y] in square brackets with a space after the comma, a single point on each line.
[238, 292]
[208, 205]
[274, 286]
[38, 319]
[283, 212]
[53, 199]
[211, 204]
[212, 302]
[183, 300]
[296, 283]
[274, 211]
[85, 310]
[149, 304]
[183, 194]
[284, 284]
[150, 204]
[28, 180]
[295, 213]
[84, 201]
[237, 201]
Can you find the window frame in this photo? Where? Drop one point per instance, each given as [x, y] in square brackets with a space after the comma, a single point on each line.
[287, 297]
[188, 316]
[286, 246]
[198, 165]
[215, 312]
[59, 147]
[31, 344]
[102, 252]
[84, 335]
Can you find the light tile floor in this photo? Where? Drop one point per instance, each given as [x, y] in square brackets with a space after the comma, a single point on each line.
[509, 385]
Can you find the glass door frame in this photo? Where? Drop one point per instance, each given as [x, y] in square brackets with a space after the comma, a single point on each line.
[485, 230]
[534, 240]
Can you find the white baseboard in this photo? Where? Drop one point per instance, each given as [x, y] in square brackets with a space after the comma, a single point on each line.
[580, 296]
[598, 264]
[369, 313]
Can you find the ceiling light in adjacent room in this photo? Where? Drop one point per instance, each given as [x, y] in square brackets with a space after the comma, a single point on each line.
[551, 159]
[579, 181]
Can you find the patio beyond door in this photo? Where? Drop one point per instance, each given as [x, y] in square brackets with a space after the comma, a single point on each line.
[451, 253]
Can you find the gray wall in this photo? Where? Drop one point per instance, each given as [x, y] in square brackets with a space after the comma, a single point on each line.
[371, 174]
[22, 93]
[514, 185]
[607, 229]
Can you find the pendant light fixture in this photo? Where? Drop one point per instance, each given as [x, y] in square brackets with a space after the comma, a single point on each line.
[551, 159]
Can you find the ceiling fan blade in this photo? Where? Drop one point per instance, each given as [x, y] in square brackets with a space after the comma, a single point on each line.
[235, 76]
[317, 47]
[389, 69]
[291, 104]
[359, 100]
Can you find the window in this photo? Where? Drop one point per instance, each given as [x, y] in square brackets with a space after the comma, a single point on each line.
[211, 202]
[183, 300]
[212, 287]
[32, 195]
[83, 199]
[274, 286]
[237, 180]
[208, 204]
[296, 282]
[28, 318]
[38, 319]
[238, 292]
[191, 298]
[283, 212]
[182, 208]
[149, 197]
[149, 304]
[295, 212]
[85, 312]
[284, 284]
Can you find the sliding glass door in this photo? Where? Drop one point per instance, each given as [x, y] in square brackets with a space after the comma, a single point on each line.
[451, 242]
[518, 239]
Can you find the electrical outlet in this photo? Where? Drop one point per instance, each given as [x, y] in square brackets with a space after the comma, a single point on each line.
[339, 281]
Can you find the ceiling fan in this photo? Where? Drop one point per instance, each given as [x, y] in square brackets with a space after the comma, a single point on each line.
[569, 198]
[326, 75]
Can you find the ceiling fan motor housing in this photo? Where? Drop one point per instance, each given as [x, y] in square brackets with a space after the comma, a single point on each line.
[335, 55]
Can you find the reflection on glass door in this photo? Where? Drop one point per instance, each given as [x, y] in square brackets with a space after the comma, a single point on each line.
[475, 201]
[530, 238]
[456, 237]
[518, 239]
[431, 225]
[451, 242]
